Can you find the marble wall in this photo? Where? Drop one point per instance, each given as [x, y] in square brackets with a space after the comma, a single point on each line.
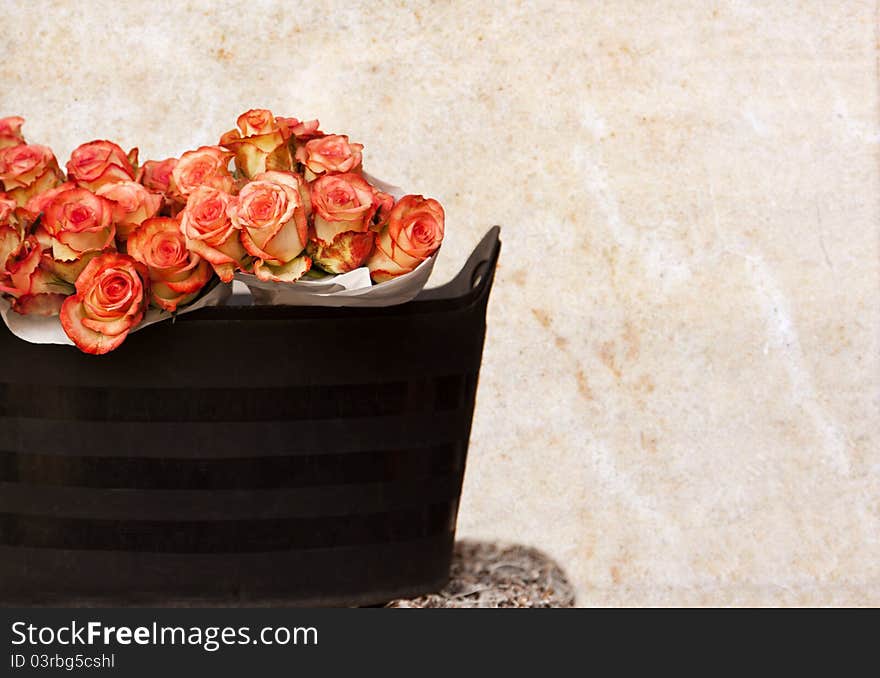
[681, 385]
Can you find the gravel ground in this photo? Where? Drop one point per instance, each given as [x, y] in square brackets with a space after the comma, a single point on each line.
[498, 575]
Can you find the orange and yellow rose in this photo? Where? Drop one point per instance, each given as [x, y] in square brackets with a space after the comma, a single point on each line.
[155, 175]
[210, 233]
[28, 169]
[269, 213]
[341, 203]
[343, 211]
[176, 274]
[206, 166]
[413, 233]
[332, 153]
[112, 294]
[260, 143]
[12, 232]
[10, 131]
[132, 205]
[101, 162]
[28, 277]
[77, 221]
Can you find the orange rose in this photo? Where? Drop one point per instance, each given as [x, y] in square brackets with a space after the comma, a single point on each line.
[205, 166]
[10, 131]
[155, 175]
[8, 209]
[413, 233]
[132, 204]
[37, 204]
[78, 221]
[176, 274]
[301, 131]
[259, 143]
[341, 203]
[12, 232]
[101, 162]
[331, 153]
[209, 231]
[274, 229]
[110, 300]
[26, 170]
[29, 279]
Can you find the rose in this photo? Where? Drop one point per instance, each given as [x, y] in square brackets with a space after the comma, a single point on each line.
[269, 212]
[78, 221]
[28, 277]
[101, 162]
[341, 203]
[110, 300]
[11, 232]
[22, 165]
[343, 207]
[37, 204]
[10, 131]
[155, 175]
[205, 166]
[413, 233]
[176, 274]
[8, 210]
[347, 252]
[26, 170]
[301, 131]
[132, 205]
[259, 143]
[331, 153]
[256, 121]
[210, 233]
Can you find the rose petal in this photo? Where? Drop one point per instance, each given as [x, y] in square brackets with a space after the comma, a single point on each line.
[289, 272]
[86, 340]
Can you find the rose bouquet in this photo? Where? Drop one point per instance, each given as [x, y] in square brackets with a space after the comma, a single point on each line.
[276, 201]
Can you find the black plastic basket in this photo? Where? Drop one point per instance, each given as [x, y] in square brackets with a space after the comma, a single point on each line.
[248, 454]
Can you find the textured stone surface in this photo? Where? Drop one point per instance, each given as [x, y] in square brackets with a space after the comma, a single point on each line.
[681, 384]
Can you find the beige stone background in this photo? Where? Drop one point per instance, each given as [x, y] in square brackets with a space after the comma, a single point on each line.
[680, 393]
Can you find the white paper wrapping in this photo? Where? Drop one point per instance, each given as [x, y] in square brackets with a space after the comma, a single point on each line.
[349, 289]
[48, 330]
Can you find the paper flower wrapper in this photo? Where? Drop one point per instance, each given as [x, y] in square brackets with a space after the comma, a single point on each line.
[47, 329]
[348, 289]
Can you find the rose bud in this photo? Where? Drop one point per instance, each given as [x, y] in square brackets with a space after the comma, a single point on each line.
[101, 162]
[332, 153]
[78, 221]
[259, 143]
[205, 166]
[10, 131]
[155, 175]
[269, 212]
[413, 233]
[209, 231]
[26, 170]
[132, 205]
[110, 300]
[176, 274]
[341, 203]
[30, 282]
